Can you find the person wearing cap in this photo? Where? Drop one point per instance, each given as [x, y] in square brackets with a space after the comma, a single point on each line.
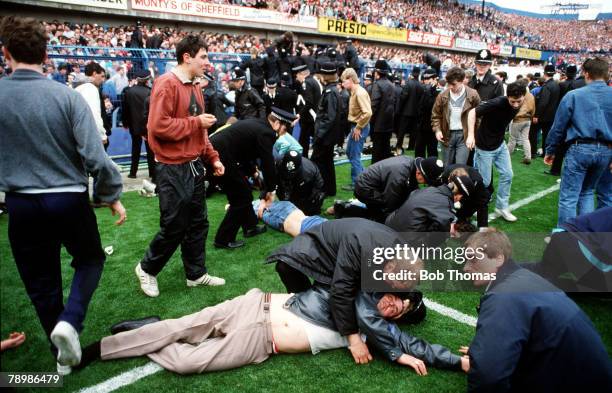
[255, 64]
[177, 133]
[309, 91]
[367, 83]
[484, 82]
[240, 145]
[476, 202]
[383, 111]
[426, 217]
[215, 100]
[281, 97]
[583, 122]
[327, 130]
[133, 107]
[300, 182]
[546, 105]
[426, 144]
[350, 55]
[489, 144]
[449, 117]
[359, 114]
[248, 104]
[408, 114]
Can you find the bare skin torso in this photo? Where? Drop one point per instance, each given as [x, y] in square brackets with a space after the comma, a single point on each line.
[287, 329]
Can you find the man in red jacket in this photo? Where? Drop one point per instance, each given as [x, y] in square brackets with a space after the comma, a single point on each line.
[177, 133]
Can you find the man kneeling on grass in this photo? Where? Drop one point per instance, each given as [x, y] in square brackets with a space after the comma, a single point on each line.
[250, 328]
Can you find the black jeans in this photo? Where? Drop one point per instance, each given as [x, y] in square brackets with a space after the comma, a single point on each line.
[306, 132]
[407, 127]
[380, 146]
[39, 224]
[183, 219]
[239, 196]
[294, 280]
[136, 145]
[323, 157]
[426, 143]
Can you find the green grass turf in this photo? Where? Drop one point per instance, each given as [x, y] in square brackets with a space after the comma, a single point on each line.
[118, 297]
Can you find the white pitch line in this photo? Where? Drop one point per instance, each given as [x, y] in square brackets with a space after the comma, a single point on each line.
[124, 379]
[526, 201]
[450, 312]
[151, 368]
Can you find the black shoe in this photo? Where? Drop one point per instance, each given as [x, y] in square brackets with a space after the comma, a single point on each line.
[258, 230]
[552, 173]
[132, 176]
[124, 326]
[230, 245]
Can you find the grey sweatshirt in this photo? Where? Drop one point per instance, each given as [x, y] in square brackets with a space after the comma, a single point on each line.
[49, 139]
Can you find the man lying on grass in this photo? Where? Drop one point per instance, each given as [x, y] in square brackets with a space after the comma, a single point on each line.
[250, 328]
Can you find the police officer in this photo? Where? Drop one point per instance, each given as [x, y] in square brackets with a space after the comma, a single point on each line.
[409, 109]
[216, 102]
[309, 91]
[248, 103]
[350, 55]
[477, 201]
[327, 127]
[241, 144]
[485, 83]
[255, 65]
[426, 143]
[281, 96]
[546, 106]
[383, 111]
[300, 182]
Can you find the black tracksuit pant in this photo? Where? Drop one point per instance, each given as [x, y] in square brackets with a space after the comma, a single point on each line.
[136, 145]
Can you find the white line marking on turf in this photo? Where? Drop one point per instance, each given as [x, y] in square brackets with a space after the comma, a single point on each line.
[451, 312]
[527, 200]
[124, 379]
[151, 368]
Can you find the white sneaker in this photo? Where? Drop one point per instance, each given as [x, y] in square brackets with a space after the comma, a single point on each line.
[148, 283]
[63, 370]
[148, 186]
[206, 279]
[66, 340]
[505, 213]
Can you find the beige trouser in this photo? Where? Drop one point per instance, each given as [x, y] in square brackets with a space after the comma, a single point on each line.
[234, 333]
[519, 132]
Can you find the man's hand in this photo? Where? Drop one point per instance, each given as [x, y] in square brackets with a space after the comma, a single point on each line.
[439, 136]
[293, 123]
[464, 350]
[356, 134]
[465, 363]
[548, 160]
[413, 362]
[218, 168]
[358, 349]
[470, 142]
[117, 208]
[260, 210]
[207, 120]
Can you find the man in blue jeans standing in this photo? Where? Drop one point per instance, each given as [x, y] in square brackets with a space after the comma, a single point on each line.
[359, 114]
[489, 142]
[584, 120]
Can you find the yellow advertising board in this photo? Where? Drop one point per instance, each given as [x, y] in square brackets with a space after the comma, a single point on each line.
[524, 53]
[347, 28]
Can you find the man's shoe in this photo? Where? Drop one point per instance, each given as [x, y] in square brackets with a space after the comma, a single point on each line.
[124, 326]
[131, 176]
[258, 230]
[206, 279]
[348, 187]
[526, 161]
[505, 213]
[148, 283]
[63, 370]
[552, 173]
[66, 340]
[230, 245]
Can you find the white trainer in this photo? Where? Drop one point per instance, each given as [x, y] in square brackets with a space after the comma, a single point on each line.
[148, 186]
[63, 370]
[66, 340]
[148, 283]
[206, 279]
[505, 213]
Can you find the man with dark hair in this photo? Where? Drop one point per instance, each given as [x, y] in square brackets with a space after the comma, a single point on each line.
[449, 117]
[489, 142]
[91, 93]
[530, 337]
[408, 114]
[583, 121]
[248, 104]
[44, 164]
[383, 111]
[177, 130]
[546, 104]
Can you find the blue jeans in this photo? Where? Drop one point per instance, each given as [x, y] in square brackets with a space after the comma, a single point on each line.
[583, 168]
[353, 151]
[500, 157]
[276, 214]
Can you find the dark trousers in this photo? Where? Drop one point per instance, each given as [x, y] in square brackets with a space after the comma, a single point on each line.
[555, 169]
[426, 143]
[294, 280]
[534, 130]
[183, 219]
[306, 132]
[381, 148]
[136, 145]
[239, 197]
[546, 126]
[407, 127]
[39, 224]
[323, 157]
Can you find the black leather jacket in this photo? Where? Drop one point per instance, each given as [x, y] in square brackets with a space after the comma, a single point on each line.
[383, 336]
[249, 105]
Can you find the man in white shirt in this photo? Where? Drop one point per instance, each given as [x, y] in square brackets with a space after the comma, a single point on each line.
[91, 92]
[120, 80]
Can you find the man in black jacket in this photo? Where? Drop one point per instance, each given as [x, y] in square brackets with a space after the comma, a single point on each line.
[281, 96]
[248, 104]
[300, 182]
[216, 102]
[333, 254]
[309, 92]
[240, 145]
[256, 66]
[383, 112]
[547, 103]
[426, 144]
[478, 200]
[132, 115]
[409, 109]
[486, 84]
[350, 55]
